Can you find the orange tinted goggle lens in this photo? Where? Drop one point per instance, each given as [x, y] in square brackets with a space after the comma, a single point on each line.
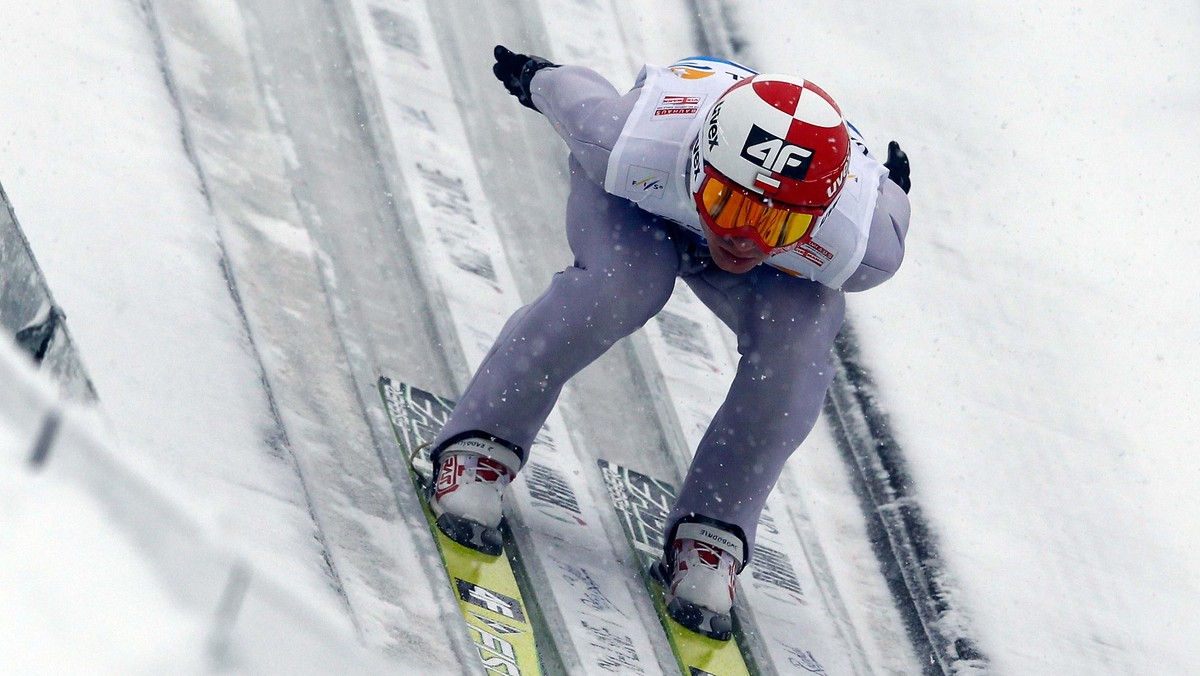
[730, 209]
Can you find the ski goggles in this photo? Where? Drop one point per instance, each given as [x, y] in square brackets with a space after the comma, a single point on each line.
[730, 210]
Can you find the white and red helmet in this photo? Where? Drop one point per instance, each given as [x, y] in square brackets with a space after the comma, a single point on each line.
[770, 162]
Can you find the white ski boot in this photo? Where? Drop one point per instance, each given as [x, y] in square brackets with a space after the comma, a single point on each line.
[470, 475]
[698, 574]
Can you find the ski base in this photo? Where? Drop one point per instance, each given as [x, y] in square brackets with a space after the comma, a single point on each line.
[485, 586]
[642, 504]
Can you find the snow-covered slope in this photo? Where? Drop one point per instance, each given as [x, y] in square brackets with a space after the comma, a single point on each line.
[104, 571]
[1038, 351]
[236, 248]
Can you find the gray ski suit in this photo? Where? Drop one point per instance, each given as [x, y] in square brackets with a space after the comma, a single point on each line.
[626, 263]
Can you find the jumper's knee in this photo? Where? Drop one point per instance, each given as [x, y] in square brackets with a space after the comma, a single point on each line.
[619, 299]
[795, 329]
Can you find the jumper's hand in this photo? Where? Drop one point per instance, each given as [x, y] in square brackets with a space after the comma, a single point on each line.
[516, 71]
[897, 164]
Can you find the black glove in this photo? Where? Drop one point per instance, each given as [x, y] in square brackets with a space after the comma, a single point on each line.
[897, 164]
[515, 72]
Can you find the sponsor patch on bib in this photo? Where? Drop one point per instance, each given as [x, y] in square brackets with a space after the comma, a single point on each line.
[678, 105]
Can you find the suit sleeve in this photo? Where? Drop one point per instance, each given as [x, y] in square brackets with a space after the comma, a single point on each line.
[885, 244]
[586, 111]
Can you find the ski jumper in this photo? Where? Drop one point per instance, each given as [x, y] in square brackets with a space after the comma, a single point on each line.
[632, 226]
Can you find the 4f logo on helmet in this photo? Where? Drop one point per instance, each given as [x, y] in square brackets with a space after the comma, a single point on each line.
[776, 155]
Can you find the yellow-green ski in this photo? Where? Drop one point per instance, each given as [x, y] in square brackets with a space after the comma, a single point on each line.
[642, 503]
[485, 586]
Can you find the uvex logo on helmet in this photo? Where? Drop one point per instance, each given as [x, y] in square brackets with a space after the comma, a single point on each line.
[713, 126]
